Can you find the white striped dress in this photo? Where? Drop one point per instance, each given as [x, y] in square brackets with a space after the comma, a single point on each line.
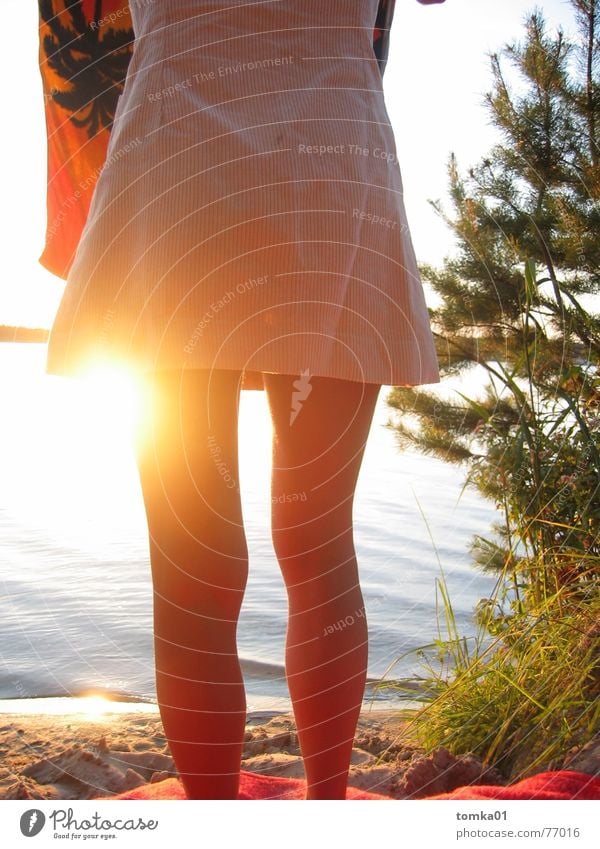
[250, 213]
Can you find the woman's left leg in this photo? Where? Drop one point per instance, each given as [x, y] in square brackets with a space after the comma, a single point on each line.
[318, 446]
[188, 464]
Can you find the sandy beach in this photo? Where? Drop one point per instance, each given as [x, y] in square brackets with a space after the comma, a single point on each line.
[80, 756]
[73, 756]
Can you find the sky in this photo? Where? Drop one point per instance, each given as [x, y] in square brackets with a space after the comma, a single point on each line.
[436, 77]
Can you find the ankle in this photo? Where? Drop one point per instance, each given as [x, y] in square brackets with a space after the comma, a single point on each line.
[334, 788]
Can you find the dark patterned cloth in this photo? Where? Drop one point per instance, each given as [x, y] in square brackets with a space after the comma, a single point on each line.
[381, 33]
[84, 52]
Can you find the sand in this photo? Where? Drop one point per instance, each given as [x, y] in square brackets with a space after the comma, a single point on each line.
[75, 757]
[71, 756]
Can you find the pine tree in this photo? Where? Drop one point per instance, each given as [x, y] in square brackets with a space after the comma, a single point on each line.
[517, 300]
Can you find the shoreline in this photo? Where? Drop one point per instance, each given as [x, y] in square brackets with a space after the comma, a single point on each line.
[98, 702]
[95, 705]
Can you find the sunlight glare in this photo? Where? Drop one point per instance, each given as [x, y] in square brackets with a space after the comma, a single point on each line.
[93, 707]
[115, 395]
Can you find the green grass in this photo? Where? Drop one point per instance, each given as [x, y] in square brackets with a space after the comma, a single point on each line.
[522, 699]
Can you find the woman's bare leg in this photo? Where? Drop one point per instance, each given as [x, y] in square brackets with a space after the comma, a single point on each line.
[188, 466]
[317, 451]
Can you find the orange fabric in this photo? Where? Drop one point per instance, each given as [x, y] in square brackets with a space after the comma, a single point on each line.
[563, 784]
[252, 786]
[84, 51]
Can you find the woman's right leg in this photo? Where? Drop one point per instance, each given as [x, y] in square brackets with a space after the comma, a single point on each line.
[188, 465]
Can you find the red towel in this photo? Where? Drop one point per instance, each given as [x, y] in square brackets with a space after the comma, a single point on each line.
[563, 784]
[252, 786]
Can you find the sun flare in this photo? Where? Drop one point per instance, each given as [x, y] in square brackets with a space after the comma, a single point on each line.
[93, 706]
[115, 394]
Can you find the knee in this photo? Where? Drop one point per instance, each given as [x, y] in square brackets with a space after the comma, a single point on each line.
[187, 607]
[302, 542]
[315, 561]
[310, 529]
[200, 577]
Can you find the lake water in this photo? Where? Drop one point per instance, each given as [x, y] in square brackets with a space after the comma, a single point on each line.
[76, 604]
